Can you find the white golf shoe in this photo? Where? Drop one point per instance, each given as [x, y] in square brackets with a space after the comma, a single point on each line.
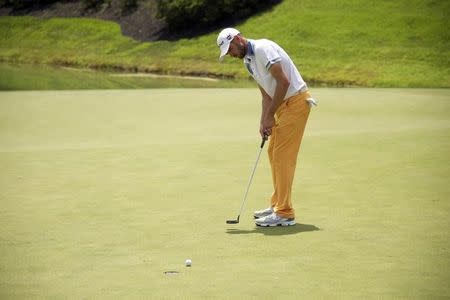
[262, 213]
[274, 220]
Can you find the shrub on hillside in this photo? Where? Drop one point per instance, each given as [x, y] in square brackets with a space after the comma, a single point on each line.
[181, 14]
[127, 6]
[92, 4]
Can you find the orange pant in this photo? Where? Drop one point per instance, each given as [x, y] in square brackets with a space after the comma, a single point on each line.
[290, 122]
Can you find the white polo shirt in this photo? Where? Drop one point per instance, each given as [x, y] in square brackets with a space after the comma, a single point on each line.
[261, 55]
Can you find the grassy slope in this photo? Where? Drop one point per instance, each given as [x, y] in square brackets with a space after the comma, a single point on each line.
[102, 191]
[384, 43]
[45, 77]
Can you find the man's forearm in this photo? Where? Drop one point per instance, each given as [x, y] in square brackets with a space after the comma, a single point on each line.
[265, 104]
[280, 93]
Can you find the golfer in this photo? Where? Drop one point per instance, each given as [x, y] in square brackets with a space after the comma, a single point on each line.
[285, 109]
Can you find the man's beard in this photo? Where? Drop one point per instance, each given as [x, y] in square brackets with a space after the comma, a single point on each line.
[241, 49]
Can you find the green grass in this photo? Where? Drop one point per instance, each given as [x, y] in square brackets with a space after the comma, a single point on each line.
[44, 77]
[384, 43]
[103, 191]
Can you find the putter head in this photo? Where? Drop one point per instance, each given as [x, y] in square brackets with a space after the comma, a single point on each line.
[233, 221]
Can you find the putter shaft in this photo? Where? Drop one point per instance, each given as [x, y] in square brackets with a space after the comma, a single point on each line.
[249, 182]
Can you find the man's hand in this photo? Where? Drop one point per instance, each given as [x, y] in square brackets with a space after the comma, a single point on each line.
[267, 124]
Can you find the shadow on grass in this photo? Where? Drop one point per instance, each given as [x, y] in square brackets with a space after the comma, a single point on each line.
[279, 230]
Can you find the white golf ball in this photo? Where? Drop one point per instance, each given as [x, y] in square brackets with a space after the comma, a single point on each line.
[188, 262]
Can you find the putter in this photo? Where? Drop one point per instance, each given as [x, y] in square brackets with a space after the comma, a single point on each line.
[264, 139]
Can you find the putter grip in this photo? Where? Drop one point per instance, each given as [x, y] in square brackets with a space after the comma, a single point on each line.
[264, 139]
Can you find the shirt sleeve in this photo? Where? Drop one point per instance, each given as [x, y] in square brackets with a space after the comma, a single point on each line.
[268, 56]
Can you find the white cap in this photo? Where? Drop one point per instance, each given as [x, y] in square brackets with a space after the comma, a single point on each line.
[224, 39]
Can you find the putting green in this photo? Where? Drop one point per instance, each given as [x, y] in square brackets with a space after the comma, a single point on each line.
[103, 191]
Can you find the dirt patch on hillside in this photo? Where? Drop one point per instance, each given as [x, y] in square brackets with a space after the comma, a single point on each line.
[142, 24]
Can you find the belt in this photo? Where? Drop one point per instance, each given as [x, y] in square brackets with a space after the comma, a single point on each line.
[311, 101]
